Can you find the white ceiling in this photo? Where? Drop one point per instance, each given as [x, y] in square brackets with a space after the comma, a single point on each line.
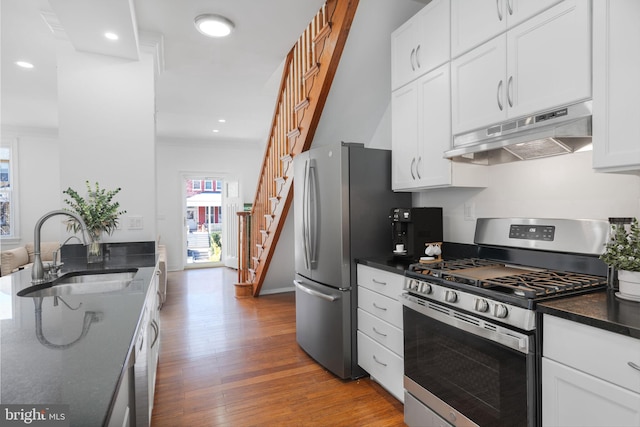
[203, 80]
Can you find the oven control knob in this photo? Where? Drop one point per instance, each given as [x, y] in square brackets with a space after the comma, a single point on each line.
[450, 296]
[500, 311]
[425, 288]
[481, 305]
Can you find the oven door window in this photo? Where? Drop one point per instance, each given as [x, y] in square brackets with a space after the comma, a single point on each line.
[481, 379]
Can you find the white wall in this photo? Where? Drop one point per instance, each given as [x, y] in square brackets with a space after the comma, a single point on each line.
[174, 158]
[557, 187]
[38, 182]
[282, 268]
[106, 132]
[358, 106]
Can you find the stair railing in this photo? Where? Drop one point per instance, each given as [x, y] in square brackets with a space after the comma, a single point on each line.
[308, 72]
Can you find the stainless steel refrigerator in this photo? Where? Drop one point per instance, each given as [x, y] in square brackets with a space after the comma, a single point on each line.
[342, 202]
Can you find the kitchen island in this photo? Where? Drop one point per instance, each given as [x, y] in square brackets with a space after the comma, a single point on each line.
[76, 351]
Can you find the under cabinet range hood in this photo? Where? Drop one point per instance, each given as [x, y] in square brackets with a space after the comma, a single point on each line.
[550, 133]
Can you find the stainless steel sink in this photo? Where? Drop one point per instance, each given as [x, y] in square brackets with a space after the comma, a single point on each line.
[82, 283]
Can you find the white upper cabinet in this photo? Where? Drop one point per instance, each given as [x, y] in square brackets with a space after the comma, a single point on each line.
[478, 86]
[421, 44]
[616, 85]
[473, 22]
[543, 63]
[404, 136]
[549, 59]
[421, 133]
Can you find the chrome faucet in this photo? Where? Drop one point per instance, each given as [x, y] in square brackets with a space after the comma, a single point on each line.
[37, 274]
[54, 269]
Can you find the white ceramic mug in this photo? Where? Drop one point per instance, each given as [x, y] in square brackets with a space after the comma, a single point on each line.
[400, 248]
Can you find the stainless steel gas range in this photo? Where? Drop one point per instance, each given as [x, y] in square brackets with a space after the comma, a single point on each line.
[471, 342]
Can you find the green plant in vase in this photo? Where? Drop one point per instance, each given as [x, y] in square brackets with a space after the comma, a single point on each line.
[623, 253]
[99, 212]
[623, 249]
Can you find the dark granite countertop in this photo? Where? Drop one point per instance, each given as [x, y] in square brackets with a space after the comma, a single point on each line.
[600, 309]
[44, 359]
[392, 265]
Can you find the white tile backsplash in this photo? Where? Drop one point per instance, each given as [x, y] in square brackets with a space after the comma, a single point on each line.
[558, 187]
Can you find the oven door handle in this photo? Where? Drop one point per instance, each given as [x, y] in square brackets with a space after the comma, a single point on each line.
[506, 337]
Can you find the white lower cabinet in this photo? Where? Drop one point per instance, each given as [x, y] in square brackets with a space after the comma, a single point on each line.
[384, 366]
[154, 301]
[380, 334]
[588, 378]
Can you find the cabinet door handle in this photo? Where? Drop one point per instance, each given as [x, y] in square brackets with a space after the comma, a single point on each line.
[418, 167]
[411, 57]
[499, 9]
[634, 366]
[379, 282]
[499, 95]
[509, 7]
[378, 307]
[377, 361]
[378, 332]
[509, 89]
[157, 331]
[417, 56]
[413, 162]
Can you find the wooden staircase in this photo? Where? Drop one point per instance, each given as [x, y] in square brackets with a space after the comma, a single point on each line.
[309, 70]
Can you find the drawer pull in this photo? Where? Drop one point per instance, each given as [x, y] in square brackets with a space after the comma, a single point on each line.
[378, 307]
[379, 282]
[384, 335]
[377, 361]
[634, 366]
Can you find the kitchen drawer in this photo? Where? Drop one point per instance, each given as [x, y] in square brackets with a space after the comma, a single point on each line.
[389, 284]
[380, 306]
[384, 366]
[600, 353]
[381, 331]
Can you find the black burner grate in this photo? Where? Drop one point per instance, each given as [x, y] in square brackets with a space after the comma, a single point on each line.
[526, 284]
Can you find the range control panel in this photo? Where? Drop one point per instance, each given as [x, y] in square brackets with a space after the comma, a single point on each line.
[532, 232]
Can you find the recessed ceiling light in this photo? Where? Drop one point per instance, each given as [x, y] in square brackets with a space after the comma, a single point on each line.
[213, 25]
[24, 64]
[222, 120]
[111, 36]
[216, 131]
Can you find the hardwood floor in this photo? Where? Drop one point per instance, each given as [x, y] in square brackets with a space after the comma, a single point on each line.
[235, 362]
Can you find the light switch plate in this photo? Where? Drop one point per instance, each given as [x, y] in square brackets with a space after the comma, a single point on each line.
[135, 222]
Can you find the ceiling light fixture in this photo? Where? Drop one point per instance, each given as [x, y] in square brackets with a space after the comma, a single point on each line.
[111, 36]
[216, 131]
[221, 120]
[24, 64]
[213, 25]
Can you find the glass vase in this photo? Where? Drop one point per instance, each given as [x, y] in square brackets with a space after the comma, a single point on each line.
[94, 249]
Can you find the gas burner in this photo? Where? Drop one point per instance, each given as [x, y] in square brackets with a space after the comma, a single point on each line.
[520, 281]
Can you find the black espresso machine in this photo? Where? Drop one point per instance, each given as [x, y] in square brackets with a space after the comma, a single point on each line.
[413, 229]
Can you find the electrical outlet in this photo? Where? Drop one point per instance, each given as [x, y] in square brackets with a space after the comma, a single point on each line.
[469, 211]
[135, 223]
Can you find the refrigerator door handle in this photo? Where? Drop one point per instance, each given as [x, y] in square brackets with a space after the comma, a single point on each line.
[314, 292]
[305, 215]
[313, 214]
